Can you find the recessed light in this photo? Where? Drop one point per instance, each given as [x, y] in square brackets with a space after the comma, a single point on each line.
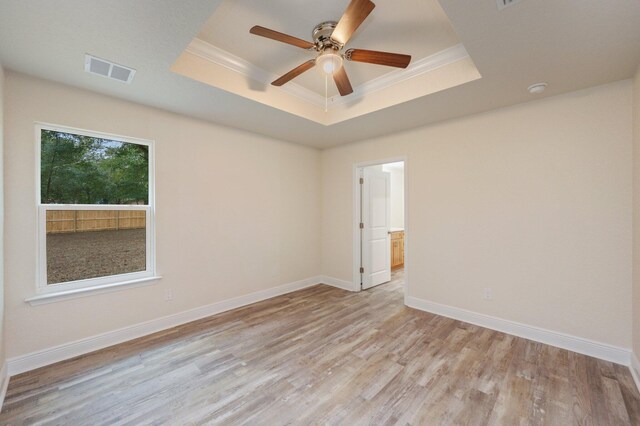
[536, 89]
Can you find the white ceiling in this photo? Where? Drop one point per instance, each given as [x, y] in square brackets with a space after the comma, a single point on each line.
[571, 44]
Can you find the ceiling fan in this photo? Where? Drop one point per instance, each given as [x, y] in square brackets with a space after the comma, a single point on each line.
[329, 39]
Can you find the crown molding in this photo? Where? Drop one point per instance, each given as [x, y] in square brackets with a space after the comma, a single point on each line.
[415, 69]
[235, 63]
[241, 66]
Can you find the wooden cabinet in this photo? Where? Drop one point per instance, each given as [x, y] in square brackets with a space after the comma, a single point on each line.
[397, 249]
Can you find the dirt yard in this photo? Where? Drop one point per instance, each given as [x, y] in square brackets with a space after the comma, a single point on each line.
[84, 255]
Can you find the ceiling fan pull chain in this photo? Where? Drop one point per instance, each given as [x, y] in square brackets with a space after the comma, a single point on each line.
[326, 94]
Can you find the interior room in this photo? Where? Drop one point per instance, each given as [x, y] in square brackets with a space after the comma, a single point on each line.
[351, 212]
[396, 214]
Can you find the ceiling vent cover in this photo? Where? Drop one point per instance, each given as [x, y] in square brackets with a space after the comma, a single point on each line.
[108, 69]
[504, 3]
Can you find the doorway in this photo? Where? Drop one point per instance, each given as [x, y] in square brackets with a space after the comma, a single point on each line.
[380, 234]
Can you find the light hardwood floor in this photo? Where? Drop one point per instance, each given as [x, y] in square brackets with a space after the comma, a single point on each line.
[327, 356]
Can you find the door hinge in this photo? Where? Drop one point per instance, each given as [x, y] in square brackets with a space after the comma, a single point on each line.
[361, 270]
[361, 181]
[361, 225]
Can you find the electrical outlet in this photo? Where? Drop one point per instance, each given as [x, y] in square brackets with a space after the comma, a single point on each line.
[168, 294]
[488, 294]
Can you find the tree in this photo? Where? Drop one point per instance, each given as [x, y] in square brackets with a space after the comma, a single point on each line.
[128, 170]
[78, 169]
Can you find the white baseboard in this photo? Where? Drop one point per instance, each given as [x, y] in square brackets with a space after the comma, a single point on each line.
[635, 369]
[59, 353]
[565, 341]
[335, 282]
[4, 382]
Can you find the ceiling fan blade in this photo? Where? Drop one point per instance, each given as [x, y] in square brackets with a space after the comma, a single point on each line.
[284, 38]
[342, 82]
[379, 58]
[356, 13]
[295, 72]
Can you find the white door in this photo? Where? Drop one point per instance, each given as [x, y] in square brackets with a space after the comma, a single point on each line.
[375, 210]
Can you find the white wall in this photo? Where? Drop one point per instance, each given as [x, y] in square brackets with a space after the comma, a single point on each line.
[236, 213]
[636, 214]
[2, 333]
[397, 197]
[533, 201]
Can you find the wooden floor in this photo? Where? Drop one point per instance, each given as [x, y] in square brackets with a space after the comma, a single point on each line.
[327, 356]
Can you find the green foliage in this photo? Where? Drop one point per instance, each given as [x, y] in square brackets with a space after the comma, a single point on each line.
[78, 169]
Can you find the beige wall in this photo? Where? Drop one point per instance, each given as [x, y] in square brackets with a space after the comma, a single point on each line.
[636, 214]
[533, 201]
[236, 213]
[2, 338]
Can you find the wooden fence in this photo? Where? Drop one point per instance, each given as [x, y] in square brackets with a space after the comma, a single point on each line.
[63, 221]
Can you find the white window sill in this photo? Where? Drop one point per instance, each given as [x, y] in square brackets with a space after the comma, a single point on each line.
[41, 299]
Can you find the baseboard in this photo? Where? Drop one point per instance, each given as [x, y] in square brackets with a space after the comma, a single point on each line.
[565, 341]
[59, 353]
[635, 370]
[335, 282]
[4, 382]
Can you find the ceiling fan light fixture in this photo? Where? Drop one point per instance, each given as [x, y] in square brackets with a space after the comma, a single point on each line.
[328, 62]
[329, 38]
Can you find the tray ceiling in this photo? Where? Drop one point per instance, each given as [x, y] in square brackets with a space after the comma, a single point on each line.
[569, 44]
[419, 28]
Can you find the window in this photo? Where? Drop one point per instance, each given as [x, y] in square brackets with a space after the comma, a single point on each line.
[95, 210]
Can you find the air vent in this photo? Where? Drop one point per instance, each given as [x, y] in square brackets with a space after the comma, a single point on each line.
[504, 3]
[108, 69]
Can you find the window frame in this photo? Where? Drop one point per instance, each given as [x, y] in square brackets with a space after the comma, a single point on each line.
[107, 282]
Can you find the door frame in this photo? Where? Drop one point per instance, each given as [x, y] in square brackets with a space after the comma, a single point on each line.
[355, 223]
